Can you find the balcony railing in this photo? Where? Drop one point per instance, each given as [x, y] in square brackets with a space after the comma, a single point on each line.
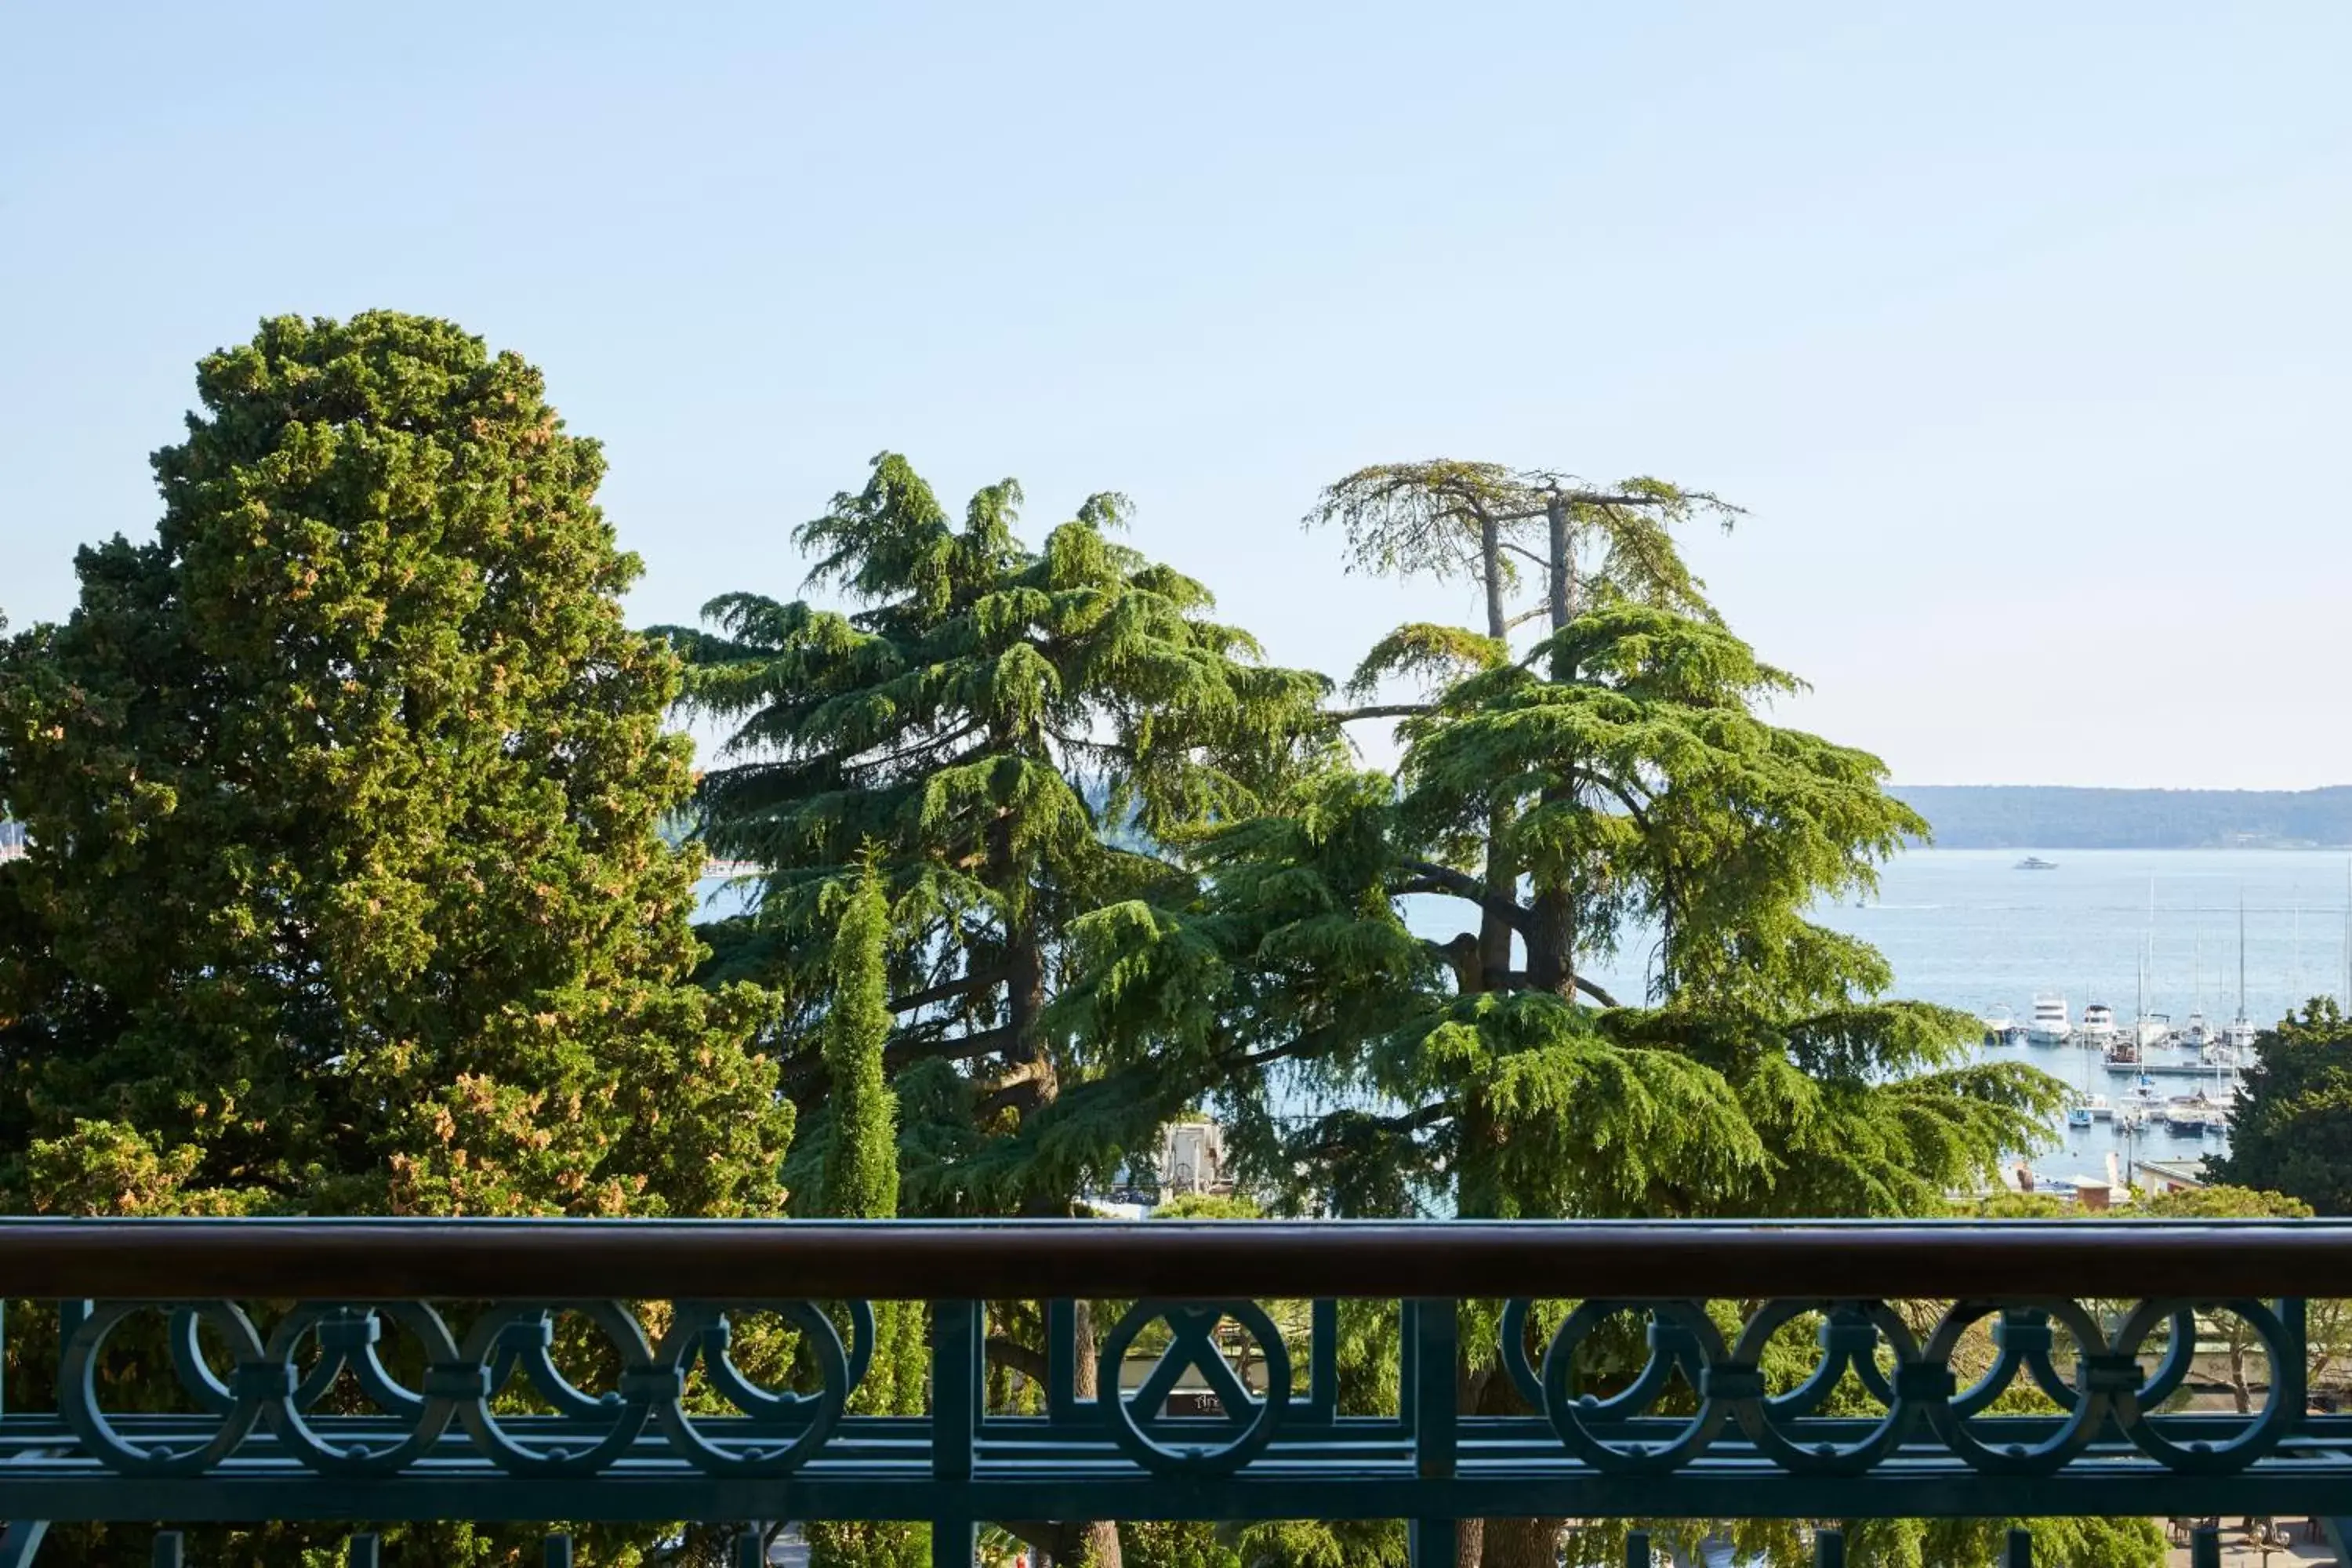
[387, 1370]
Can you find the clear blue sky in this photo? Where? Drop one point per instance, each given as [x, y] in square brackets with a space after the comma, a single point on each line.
[2022, 330]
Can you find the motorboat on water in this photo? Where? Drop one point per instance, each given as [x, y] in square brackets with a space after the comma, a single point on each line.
[2051, 1024]
[2197, 1033]
[2152, 1029]
[2002, 1028]
[2036, 863]
[2197, 1113]
[2098, 1024]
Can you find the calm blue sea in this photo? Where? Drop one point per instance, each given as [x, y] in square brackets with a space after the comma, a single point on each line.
[1965, 928]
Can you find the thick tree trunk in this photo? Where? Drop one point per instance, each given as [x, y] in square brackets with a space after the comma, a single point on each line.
[1561, 588]
[1469, 1534]
[1494, 932]
[1025, 989]
[1032, 1081]
[1521, 1543]
[1511, 1543]
[1490, 551]
[1551, 938]
[1092, 1541]
[1551, 943]
[1502, 875]
[1501, 1543]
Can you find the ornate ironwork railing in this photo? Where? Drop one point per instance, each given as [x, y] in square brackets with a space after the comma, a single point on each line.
[343, 1370]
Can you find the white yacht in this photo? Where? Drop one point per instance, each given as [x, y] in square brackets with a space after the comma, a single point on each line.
[2052, 1024]
[2098, 1024]
[2197, 1033]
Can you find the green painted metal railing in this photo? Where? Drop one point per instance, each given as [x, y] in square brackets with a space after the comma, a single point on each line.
[384, 1370]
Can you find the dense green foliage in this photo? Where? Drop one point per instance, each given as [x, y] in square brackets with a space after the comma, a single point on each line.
[345, 893]
[861, 1182]
[861, 1146]
[1615, 777]
[1012, 732]
[2048, 816]
[362, 866]
[2292, 1132]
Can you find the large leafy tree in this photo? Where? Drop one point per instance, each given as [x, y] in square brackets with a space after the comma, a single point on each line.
[1451, 519]
[1613, 786]
[2292, 1132]
[1016, 736]
[1011, 736]
[344, 892]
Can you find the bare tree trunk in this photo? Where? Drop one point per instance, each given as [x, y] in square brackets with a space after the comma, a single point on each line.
[1551, 943]
[1561, 588]
[1502, 882]
[1502, 875]
[1551, 935]
[1093, 1542]
[1025, 989]
[1490, 551]
[1505, 1542]
[1522, 1543]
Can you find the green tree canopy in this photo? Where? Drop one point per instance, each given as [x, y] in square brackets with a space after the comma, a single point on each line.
[2292, 1131]
[1614, 781]
[345, 893]
[860, 1181]
[1018, 735]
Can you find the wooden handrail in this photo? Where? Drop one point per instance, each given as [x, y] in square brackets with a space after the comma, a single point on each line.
[390, 1259]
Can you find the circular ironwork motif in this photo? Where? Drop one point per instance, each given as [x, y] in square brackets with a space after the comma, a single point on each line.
[785, 1429]
[348, 1336]
[1681, 1337]
[256, 1381]
[1248, 1422]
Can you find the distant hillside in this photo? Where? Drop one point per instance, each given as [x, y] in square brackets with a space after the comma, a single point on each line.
[2040, 816]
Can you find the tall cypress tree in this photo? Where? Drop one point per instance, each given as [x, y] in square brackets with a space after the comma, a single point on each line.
[861, 1182]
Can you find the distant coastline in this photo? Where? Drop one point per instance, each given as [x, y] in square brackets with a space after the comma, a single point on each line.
[2050, 816]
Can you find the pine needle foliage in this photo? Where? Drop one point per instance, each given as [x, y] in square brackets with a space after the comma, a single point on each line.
[861, 1153]
[1372, 1070]
[346, 893]
[1615, 782]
